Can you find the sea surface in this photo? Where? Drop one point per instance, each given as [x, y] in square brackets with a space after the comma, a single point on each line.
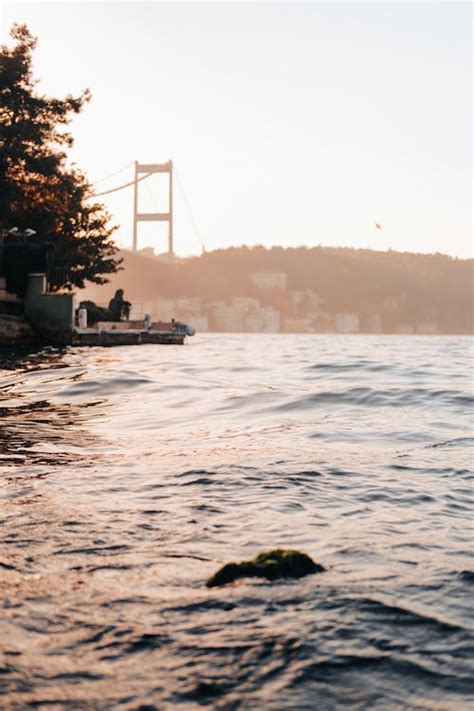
[129, 475]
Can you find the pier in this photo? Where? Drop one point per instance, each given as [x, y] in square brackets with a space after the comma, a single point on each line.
[128, 333]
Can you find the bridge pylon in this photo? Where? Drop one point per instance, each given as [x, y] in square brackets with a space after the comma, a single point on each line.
[148, 169]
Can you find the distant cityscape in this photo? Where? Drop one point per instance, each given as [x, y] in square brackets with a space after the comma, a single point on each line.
[249, 315]
[299, 290]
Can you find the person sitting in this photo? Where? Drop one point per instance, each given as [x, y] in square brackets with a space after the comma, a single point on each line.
[119, 308]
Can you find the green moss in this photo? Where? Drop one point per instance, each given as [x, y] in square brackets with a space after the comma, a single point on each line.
[270, 565]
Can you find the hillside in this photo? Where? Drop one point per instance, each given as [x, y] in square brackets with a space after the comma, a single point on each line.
[387, 291]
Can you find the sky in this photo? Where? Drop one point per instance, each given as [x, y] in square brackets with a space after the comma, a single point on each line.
[288, 123]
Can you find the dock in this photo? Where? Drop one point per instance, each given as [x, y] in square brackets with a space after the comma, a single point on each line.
[91, 337]
[128, 333]
[42, 317]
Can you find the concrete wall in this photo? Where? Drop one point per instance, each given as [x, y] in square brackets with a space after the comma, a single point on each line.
[14, 331]
[48, 312]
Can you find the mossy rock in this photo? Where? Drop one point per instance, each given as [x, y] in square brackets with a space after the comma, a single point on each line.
[270, 565]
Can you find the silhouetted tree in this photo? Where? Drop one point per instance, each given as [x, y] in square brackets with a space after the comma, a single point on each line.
[38, 190]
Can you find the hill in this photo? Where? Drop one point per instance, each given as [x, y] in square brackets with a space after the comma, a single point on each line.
[311, 289]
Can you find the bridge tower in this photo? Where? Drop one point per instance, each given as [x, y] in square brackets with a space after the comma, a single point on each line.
[146, 169]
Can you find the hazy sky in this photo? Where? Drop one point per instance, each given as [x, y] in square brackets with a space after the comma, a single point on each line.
[289, 123]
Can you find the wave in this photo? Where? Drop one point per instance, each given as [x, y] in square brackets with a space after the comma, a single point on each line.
[372, 397]
[456, 442]
[132, 474]
[406, 616]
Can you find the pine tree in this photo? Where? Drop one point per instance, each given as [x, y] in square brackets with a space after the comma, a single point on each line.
[38, 189]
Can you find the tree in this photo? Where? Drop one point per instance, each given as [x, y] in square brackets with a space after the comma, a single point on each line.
[38, 189]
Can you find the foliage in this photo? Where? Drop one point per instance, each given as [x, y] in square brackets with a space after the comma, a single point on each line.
[95, 313]
[38, 190]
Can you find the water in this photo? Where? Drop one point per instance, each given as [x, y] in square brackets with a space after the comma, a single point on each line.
[129, 475]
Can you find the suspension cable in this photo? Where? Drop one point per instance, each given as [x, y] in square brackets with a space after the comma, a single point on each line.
[120, 187]
[191, 214]
[111, 175]
[144, 177]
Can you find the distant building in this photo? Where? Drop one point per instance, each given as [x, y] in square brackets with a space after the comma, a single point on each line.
[297, 297]
[271, 319]
[322, 321]
[253, 323]
[148, 251]
[305, 302]
[405, 328]
[245, 316]
[269, 280]
[227, 319]
[245, 304]
[428, 328]
[346, 323]
[200, 323]
[372, 324]
[297, 325]
[313, 300]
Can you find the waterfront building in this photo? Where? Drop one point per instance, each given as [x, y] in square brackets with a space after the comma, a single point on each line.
[405, 328]
[227, 319]
[297, 298]
[427, 327]
[372, 323]
[297, 325]
[346, 323]
[245, 304]
[253, 323]
[200, 323]
[271, 319]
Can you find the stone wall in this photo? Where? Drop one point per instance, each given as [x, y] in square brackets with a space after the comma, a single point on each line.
[48, 313]
[14, 331]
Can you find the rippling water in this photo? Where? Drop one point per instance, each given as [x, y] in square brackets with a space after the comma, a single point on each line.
[127, 476]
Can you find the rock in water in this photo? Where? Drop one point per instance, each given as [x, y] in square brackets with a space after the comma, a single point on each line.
[271, 565]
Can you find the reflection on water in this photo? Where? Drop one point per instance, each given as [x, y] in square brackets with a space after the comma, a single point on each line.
[127, 476]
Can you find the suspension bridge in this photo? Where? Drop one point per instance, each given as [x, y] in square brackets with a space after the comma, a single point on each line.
[143, 171]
